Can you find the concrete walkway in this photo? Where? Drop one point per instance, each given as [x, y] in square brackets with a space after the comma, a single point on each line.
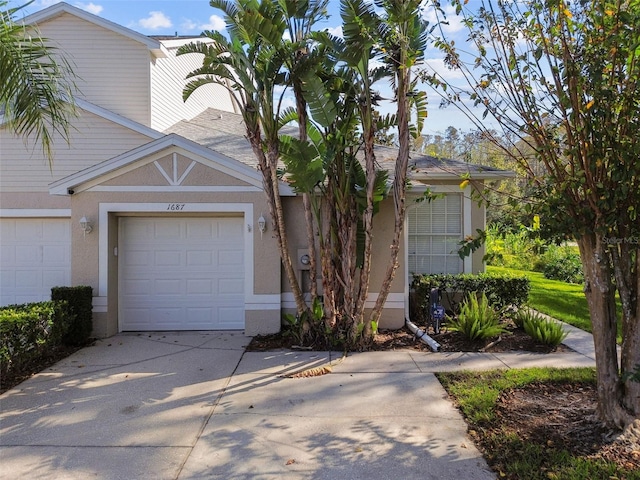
[197, 406]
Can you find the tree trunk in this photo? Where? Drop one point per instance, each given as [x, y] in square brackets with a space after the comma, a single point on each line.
[281, 234]
[399, 187]
[600, 293]
[626, 261]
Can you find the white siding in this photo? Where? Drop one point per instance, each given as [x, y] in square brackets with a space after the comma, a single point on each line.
[168, 78]
[113, 71]
[93, 140]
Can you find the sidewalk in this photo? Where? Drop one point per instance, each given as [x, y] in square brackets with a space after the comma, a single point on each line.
[197, 406]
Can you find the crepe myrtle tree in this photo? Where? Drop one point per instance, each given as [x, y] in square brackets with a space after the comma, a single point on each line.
[36, 83]
[563, 78]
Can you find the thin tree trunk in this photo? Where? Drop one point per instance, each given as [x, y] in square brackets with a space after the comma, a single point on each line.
[281, 234]
[627, 274]
[367, 222]
[399, 189]
[600, 294]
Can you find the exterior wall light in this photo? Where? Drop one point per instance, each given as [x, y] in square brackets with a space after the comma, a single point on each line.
[85, 225]
[262, 224]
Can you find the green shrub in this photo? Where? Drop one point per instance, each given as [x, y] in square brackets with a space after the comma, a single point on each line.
[477, 320]
[525, 315]
[28, 332]
[545, 331]
[80, 311]
[563, 264]
[502, 291]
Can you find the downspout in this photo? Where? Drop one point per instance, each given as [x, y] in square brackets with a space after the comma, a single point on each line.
[422, 335]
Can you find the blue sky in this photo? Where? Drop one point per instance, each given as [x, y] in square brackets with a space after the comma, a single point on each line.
[190, 17]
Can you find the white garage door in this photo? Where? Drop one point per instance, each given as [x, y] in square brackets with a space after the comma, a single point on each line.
[35, 255]
[181, 273]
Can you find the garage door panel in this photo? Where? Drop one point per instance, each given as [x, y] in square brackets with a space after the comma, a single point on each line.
[231, 286]
[169, 287]
[29, 254]
[188, 273]
[230, 316]
[166, 258]
[197, 258]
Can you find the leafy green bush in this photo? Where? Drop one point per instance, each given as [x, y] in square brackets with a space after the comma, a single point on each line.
[28, 331]
[544, 330]
[79, 318]
[525, 315]
[477, 320]
[501, 290]
[563, 264]
[518, 250]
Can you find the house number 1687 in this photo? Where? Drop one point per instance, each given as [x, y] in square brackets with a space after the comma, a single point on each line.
[176, 207]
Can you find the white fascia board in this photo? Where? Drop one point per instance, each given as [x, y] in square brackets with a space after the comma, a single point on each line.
[500, 175]
[35, 212]
[174, 44]
[62, 7]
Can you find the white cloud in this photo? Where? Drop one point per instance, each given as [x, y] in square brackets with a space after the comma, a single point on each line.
[189, 25]
[155, 20]
[90, 7]
[215, 23]
[453, 22]
[47, 3]
[336, 31]
[437, 65]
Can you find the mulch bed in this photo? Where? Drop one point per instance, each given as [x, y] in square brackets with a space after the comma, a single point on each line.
[560, 416]
[515, 340]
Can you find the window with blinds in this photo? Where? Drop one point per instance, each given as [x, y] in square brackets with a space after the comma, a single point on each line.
[435, 228]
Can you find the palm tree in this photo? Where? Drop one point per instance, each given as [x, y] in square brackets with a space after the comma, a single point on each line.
[36, 83]
[403, 40]
[251, 65]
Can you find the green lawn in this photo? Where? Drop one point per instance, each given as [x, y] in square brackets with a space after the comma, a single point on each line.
[563, 301]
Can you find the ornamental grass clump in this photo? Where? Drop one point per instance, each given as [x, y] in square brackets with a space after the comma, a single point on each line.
[526, 315]
[477, 319]
[545, 331]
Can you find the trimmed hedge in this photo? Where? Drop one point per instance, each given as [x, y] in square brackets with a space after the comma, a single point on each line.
[31, 332]
[28, 332]
[80, 315]
[502, 291]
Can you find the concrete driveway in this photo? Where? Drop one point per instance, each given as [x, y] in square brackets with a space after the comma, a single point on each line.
[196, 406]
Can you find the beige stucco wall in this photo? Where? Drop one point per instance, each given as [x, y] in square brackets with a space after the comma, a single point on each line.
[143, 191]
[393, 315]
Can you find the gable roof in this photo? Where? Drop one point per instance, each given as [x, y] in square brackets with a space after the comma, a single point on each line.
[60, 8]
[218, 130]
[225, 164]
